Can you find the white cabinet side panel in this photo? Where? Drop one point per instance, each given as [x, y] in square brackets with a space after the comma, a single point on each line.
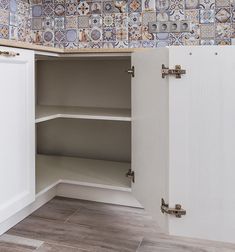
[150, 113]
[17, 178]
[202, 142]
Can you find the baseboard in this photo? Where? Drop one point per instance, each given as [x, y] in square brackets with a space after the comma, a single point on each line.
[71, 191]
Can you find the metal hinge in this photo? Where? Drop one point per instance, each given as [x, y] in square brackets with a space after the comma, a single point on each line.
[177, 211]
[177, 71]
[131, 71]
[131, 174]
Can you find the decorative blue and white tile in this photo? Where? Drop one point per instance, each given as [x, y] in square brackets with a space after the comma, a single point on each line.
[149, 16]
[223, 15]
[223, 30]
[162, 43]
[134, 33]
[48, 9]
[207, 42]
[48, 23]
[109, 34]
[13, 32]
[176, 39]
[21, 34]
[108, 7]
[59, 23]
[191, 4]
[71, 22]
[4, 4]
[135, 5]
[12, 5]
[59, 10]
[108, 20]
[71, 36]
[37, 11]
[83, 21]
[162, 36]
[96, 7]
[207, 31]
[121, 44]
[223, 41]
[108, 45]
[48, 37]
[71, 9]
[207, 16]
[59, 36]
[148, 5]
[192, 15]
[23, 8]
[177, 15]
[162, 16]
[83, 35]
[36, 23]
[146, 35]
[95, 20]
[4, 17]
[148, 44]
[121, 20]
[96, 45]
[207, 4]
[121, 34]
[222, 3]
[135, 44]
[162, 5]
[4, 31]
[135, 18]
[71, 45]
[96, 34]
[121, 6]
[193, 37]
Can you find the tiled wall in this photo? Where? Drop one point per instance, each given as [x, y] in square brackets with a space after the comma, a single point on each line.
[97, 23]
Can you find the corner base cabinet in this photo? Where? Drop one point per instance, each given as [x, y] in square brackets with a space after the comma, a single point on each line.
[152, 129]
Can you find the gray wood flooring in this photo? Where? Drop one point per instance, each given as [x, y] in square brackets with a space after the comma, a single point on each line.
[68, 225]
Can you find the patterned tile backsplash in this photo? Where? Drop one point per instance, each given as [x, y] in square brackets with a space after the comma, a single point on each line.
[115, 23]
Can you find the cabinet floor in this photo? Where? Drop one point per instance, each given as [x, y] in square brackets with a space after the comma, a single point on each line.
[68, 225]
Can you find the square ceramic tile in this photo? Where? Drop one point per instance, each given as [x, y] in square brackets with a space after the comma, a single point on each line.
[96, 7]
[4, 31]
[59, 10]
[162, 16]
[95, 20]
[83, 35]
[207, 4]
[108, 7]
[71, 36]
[108, 20]
[148, 5]
[48, 9]
[109, 34]
[177, 15]
[36, 10]
[121, 6]
[71, 9]
[162, 5]
[135, 18]
[223, 31]
[83, 21]
[223, 15]
[71, 22]
[4, 17]
[48, 23]
[96, 34]
[121, 34]
[121, 20]
[48, 37]
[36, 23]
[13, 19]
[148, 17]
[146, 35]
[207, 31]
[222, 3]
[134, 33]
[4, 4]
[207, 16]
[59, 23]
[135, 5]
[191, 4]
[121, 44]
[192, 15]
[176, 39]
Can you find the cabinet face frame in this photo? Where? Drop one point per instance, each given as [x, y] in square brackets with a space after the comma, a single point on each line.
[17, 183]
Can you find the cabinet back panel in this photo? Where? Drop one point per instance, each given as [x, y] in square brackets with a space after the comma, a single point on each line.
[96, 139]
[87, 83]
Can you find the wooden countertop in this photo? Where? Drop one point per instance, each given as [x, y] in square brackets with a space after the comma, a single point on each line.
[25, 45]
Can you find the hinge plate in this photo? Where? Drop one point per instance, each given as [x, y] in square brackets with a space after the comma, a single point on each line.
[131, 174]
[177, 211]
[131, 71]
[178, 71]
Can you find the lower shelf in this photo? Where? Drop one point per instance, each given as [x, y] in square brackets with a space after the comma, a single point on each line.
[51, 170]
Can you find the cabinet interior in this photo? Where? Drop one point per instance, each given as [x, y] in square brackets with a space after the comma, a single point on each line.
[83, 121]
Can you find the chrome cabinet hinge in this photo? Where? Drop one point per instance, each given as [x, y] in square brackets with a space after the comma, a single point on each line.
[131, 71]
[131, 174]
[177, 71]
[177, 211]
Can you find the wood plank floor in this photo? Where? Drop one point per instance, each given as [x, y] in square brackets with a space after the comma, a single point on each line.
[68, 225]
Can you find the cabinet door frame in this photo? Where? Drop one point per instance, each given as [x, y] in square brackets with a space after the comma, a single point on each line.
[18, 200]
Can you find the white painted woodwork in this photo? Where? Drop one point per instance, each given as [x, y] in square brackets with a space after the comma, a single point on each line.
[202, 142]
[17, 148]
[45, 113]
[51, 170]
[150, 131]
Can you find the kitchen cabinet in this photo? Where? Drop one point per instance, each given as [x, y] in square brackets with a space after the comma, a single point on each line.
[102, 116]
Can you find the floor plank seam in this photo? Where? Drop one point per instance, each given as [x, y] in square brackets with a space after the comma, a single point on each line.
[139, 244]
[70, 216]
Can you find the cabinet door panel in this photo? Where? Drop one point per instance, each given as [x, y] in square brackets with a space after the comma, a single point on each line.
[150, 112]
[17, 165]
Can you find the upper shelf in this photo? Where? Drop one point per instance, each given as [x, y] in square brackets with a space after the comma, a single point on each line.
[45, 113]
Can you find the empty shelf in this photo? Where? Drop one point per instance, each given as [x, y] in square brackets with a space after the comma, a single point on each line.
[45, 113]
[51, 170]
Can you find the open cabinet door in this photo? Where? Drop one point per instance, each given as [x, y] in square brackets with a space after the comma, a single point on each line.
[150, 111]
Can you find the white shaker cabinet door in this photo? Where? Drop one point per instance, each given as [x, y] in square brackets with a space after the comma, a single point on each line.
[150, 137]
[17, 139]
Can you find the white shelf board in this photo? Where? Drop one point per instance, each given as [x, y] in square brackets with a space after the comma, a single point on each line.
[45, 113]
[52, 170]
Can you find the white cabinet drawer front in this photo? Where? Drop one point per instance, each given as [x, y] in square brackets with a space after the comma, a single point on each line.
[17, 179]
